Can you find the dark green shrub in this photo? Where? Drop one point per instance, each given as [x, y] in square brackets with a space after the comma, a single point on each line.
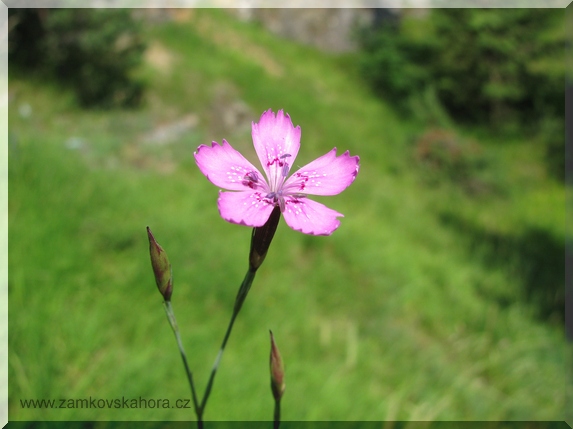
[96, 51]
[395, 65]
[500, 67]
[490, 65]
[26, 32]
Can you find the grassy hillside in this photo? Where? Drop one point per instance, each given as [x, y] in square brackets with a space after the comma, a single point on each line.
[435, 299]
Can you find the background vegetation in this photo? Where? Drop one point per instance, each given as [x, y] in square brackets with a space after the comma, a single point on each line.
[94, 51]
[439, 298]
[500, 67]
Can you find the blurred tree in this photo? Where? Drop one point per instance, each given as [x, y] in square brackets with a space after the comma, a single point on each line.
[96, 51]
[499, 65]
[25, 32]
[503, 67]
[394, 63]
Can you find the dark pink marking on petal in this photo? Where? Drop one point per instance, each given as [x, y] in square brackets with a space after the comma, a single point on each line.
[225, 167]
[273, 138]
[326, 175]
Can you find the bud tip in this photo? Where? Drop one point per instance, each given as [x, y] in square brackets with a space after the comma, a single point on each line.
[161, 267]
[277, 370]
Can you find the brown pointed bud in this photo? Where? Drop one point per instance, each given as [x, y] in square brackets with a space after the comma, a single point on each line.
[261, 239]
[277, 371]
[161, 267]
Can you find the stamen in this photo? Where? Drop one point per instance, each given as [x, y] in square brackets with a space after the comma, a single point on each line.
[250, 179]
[298, 196]
[285, 166]
[277, 199]
[285, 169]
[252, 176]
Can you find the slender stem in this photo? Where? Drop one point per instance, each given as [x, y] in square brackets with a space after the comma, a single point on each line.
[241, 295]
[173, 323]
[277, 420]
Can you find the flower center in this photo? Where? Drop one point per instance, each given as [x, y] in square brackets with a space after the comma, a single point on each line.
[275, 192]
[277, 198]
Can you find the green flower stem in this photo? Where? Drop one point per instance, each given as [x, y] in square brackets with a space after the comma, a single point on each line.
[173, 323]
[277, 417]
[260, 241]
[241, 295]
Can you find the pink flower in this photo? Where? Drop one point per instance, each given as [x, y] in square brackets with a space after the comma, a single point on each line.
[277, 142]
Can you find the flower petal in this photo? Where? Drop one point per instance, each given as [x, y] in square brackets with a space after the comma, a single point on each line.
[277, 143]
[327, 175]
[310, 217]
[245, 208]
[227, 168]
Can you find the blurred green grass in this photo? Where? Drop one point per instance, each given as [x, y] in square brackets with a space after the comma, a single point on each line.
[399, 315]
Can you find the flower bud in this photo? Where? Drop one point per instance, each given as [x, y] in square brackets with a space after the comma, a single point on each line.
[277, 371]
[261, 239]
[161, 267]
